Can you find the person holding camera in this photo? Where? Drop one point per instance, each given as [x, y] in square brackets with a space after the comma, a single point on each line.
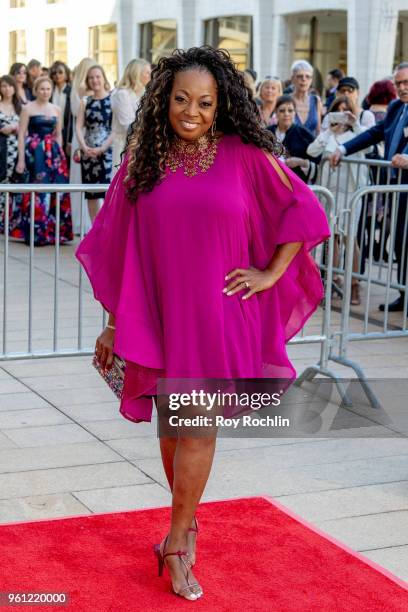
[343, 125]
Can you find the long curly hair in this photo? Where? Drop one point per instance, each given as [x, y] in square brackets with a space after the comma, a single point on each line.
[151, 134]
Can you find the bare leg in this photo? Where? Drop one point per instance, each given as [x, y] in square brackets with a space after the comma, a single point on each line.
[93, 208]
[193, 459]
[168, 450]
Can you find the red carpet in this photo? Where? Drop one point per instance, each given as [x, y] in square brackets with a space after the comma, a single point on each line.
[253, 555]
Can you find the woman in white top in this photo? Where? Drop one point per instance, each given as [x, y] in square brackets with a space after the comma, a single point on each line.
[78, 91]
[125, 100]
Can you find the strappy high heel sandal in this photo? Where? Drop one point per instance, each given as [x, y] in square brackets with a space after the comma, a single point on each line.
[193, 540]
[194, 591]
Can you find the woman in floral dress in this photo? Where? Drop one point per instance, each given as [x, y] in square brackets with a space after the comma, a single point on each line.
[40, 154]
[95, 115]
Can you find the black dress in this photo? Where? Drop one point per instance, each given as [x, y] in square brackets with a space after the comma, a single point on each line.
[296, 141]
[98, 126]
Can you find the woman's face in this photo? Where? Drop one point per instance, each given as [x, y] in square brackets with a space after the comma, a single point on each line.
[270, 91]
[193, 102]
[145, 75]
[59, 76]
[6, 90]
[21, 75]
[286, 116]
[43, 91]
[302, 81]
[96, 81]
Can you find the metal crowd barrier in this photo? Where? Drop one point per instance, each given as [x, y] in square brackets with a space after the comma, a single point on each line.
[352, 171]
[30, 352]
[370, 220]
[396, 196]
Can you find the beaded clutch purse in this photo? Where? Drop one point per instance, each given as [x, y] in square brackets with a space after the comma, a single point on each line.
[115, 376]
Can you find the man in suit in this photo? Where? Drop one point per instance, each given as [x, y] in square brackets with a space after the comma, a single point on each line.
[393, 130]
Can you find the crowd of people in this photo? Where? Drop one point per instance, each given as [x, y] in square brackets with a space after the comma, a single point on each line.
[63, 127]
[58, 127]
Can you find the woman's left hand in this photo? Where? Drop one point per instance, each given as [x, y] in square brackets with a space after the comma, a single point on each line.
[252, 279]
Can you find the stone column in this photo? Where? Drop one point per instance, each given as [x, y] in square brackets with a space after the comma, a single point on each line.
[188, 34]
[371, 35]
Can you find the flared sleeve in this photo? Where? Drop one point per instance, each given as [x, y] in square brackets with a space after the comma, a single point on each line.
[102, 250]
[111, 255]
[283, 209]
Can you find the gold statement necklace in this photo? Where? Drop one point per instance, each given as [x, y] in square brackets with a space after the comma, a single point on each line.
[193, 157]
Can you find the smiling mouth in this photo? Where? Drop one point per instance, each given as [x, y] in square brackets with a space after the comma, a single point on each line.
[188, 125]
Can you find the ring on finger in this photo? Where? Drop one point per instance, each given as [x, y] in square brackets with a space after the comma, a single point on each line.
[246, 285]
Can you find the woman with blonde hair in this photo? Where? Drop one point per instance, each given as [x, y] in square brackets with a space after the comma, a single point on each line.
[95, 116]
[78, 91]
[125, 100]
[270, 90]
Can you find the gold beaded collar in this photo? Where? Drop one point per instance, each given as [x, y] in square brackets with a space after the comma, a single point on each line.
[193, 157]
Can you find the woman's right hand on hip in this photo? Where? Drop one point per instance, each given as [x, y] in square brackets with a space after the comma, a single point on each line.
[104, 348]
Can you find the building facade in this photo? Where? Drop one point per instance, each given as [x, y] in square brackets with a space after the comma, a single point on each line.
[366, 38]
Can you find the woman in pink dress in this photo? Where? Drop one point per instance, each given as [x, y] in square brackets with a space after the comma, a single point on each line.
[200, 254]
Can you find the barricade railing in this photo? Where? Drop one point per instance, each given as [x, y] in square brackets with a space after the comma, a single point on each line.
[376, 272]
[27, 322]
[351, 174]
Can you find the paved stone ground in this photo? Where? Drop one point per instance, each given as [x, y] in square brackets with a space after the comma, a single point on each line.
[65, 450]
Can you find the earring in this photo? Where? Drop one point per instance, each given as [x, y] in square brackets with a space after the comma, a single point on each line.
[213, 128]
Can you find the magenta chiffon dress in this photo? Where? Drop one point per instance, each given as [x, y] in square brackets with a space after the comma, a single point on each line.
[159, 266]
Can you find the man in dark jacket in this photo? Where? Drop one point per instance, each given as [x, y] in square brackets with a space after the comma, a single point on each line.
[393, 130]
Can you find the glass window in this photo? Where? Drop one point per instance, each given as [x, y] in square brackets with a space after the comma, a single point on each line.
[17, 46]
[103, 47]
[157, 39]
[321, 39]
[55, 45]
[17, 3]
[233, 34]
[401, 43]
[53, 1]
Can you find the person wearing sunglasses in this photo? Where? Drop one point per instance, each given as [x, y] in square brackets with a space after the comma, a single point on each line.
[295, 139]
[60, 75]
[19, 72]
